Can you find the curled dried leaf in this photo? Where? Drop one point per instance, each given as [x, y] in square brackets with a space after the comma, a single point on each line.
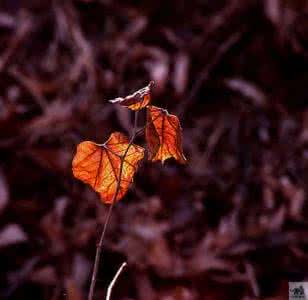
[163, 135]
[137, 100]
[101, 166]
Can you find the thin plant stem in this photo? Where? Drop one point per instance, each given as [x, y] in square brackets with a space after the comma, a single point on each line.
[100, 243]
[115, 278]
[98, 254]
[137, 132]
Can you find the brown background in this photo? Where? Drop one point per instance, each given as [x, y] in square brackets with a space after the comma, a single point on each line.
[232, 224]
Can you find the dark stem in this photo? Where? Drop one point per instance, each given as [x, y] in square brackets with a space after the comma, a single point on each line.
[98, 254]
[100, 243]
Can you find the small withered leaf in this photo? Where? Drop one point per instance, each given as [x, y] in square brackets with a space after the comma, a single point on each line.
[137, 100]
[100, 165]
[163, 135]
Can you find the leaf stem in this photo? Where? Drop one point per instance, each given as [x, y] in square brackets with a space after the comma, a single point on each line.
[100, 243]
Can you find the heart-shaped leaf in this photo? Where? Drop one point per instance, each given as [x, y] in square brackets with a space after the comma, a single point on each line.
[102, 167]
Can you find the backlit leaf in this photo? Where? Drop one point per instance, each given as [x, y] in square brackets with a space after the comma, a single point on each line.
[100, 165]
[163, 135]
[137, 100]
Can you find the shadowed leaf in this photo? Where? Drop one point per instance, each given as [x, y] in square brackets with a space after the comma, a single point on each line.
[163, 135]
[100, 165]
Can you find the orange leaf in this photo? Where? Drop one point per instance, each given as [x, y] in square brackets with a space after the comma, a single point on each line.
[163, 135]
[100, 165]
[137, 100]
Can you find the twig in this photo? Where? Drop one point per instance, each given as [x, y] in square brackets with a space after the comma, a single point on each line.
[251, 278]
[100, 244]
[31, 86]
[24, 26]
[98, 254]
[115, 278]
[205, 73]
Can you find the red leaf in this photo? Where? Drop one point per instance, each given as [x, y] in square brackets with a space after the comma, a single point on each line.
[163, 135]
[137, 100]
[100, 165]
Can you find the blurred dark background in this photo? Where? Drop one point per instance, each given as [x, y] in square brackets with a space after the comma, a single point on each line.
[232, 224]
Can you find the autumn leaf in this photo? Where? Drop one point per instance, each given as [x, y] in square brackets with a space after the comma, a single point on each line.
[137, 100]
[100, 165]
[163, 135]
